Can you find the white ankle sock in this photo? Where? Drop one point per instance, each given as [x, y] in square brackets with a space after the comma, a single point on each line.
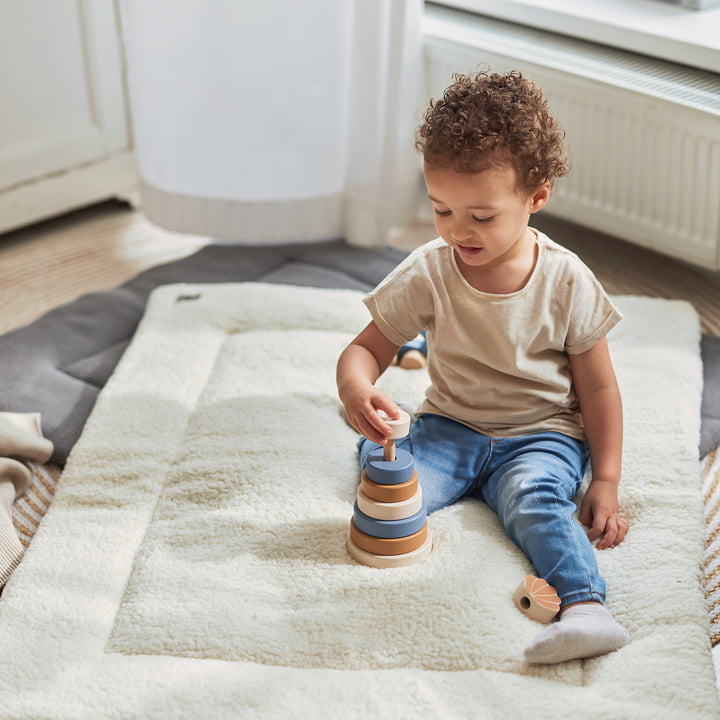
[583, 631]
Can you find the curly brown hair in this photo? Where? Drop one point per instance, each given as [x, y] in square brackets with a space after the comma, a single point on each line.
[488, 119]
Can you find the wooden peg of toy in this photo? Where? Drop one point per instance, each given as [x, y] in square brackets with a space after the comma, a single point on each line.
[400, 428]
[413, 360]
[537, 599]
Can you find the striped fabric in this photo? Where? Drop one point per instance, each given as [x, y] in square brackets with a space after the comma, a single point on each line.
[30, 508]
[710, 474]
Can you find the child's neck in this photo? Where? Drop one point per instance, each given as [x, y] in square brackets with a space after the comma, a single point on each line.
[507, 274]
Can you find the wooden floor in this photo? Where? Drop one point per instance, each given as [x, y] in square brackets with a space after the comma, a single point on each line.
[100, 247]
[97, 248]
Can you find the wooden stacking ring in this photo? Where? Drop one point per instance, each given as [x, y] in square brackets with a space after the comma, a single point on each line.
[390, 561]
[402, 527]
[389, 472]
[389, 493]
[388, 546]
[389, 510]
[400, 427]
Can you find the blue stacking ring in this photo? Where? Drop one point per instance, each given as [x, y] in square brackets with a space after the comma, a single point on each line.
[388, 529]
[390, 472]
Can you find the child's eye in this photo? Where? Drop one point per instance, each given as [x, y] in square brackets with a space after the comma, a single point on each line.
[483, 220]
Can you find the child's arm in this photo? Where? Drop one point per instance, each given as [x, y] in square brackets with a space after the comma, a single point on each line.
[601, 408]
[359, 366]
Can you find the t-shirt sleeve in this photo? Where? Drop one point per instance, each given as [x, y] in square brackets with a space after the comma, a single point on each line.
[401, 305]
[592, 313]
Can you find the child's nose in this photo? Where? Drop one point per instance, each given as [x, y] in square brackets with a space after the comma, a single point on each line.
[460, 231]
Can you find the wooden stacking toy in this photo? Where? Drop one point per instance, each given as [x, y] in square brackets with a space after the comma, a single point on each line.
[413, 355]
[389, 524]
[536, 599]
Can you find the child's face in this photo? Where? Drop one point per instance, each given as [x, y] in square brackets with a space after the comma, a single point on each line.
[483, 216]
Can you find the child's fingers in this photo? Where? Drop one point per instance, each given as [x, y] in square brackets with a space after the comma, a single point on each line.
[372, 425]
[382, 404]
[622, 526]
[598, 527]
[608, 539]
[388, 407]
[367, 429]
[616, 528]
[586, 516]
[382, 428]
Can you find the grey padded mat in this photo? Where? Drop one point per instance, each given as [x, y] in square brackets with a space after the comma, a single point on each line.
[710, 428]
[58, 364]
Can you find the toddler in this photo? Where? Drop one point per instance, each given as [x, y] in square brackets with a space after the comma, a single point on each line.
[522, 390]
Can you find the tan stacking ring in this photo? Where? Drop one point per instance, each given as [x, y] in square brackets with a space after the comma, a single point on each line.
[389, 493]
[390, 561]
[388, 546]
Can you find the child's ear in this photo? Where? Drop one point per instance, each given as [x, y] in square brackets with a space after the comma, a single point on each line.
[539, 198]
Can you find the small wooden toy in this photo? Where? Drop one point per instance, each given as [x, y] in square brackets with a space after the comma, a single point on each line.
[389, 493]
[390, 510]
[400, 428]
[413, 355]
[387, 546]
[391, 561]
[536, 599]
[389, 525]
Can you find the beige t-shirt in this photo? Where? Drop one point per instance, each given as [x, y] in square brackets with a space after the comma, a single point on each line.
[497, 363]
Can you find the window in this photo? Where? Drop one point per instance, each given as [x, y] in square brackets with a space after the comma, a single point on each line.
[666, 29]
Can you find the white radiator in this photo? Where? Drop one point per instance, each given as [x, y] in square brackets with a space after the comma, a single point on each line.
[643, 134]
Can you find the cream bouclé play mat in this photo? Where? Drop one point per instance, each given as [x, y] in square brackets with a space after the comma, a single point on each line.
[193, 563]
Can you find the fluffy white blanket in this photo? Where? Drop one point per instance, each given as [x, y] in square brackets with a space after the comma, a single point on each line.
[193, 563]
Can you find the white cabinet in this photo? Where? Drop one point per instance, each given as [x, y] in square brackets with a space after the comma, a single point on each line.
[64, 131]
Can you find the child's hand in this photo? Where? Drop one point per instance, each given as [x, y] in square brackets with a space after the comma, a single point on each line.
[600, 512]
[361, 409]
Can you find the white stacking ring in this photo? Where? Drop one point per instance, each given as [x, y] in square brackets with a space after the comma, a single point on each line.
[400, 427]
[389, 510]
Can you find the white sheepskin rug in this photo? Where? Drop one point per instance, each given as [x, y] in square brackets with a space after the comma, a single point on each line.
[193, 562]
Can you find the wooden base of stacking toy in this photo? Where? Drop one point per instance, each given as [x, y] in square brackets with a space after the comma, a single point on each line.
[536, 599]
[389, 525]
[390, 561]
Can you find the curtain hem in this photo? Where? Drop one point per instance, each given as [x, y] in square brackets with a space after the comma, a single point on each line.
[246, 222]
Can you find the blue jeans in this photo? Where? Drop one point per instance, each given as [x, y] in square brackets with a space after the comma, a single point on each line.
[529, 481]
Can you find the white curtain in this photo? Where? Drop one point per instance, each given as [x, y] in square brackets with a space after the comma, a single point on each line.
[265, 121]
